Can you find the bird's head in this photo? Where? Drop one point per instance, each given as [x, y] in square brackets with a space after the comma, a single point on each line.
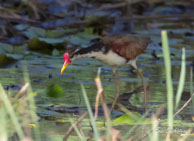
[66, 62]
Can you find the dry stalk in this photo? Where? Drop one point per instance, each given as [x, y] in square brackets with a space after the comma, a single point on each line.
[80, 129]
[70, 130]
[97, 103]
[100, 94]
[22, 90]
[168, 136]
[113, 133]
[186, 103]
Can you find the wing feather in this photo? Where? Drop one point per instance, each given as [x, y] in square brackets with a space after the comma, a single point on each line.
[127, 46]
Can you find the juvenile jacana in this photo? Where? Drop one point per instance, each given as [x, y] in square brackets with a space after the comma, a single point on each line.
[115, 51]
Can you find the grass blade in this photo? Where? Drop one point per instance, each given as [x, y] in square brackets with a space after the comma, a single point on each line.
[169, 85]
[3, 127]
[90, 112]
[32, 106]
[181, 79]
[191, 87]
[70, 129]
[139, 121]
[155, 123]
[76, 130]
[11, 112]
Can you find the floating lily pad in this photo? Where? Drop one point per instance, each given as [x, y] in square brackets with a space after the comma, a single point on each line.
[16, 56]
[36, 44]
[21, 27]
[44, 47]
[44, 112]
[78, 41]
[20, 49]
[59, 32]
[132, 119]
[83, 38]
[6, 48]
[52, 40]
[34, 32]
[5, 60]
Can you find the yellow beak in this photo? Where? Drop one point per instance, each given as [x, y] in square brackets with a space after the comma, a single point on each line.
[64, 67]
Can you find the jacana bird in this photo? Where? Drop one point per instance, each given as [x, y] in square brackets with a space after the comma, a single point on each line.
[115, 51]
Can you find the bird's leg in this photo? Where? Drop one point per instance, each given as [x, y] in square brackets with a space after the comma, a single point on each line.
[117, 89]
[144, 87]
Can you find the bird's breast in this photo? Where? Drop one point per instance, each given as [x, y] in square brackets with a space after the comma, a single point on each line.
[111, 59]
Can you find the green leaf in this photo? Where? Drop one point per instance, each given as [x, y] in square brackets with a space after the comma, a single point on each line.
[5, 60]
[52, 40]
[16, 56]
[41, 45]
[20, 49]
[82, 38]
[169, 85]
[21, 27]
[132, 119]
[34, 32]
[55, 91]
[78, 41]
[6, 48]
[57, 33]
[36, 44]
[181, 79]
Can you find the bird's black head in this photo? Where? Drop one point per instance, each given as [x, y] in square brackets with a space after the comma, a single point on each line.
[66, 62]
[95, 47]
[73, 53]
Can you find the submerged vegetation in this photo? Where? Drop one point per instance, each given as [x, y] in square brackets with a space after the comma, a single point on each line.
[37, 103]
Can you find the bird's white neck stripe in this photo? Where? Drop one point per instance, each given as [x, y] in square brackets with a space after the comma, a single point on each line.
[87, 55]
[110, 58]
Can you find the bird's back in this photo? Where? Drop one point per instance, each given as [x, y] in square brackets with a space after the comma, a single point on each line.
[127, 46]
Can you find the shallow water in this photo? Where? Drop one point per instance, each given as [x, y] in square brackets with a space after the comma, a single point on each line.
[44, 70]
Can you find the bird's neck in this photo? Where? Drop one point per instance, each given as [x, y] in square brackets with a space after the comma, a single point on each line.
[93, 51]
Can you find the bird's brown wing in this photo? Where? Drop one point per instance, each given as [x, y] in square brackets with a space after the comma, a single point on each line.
[127, 46]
